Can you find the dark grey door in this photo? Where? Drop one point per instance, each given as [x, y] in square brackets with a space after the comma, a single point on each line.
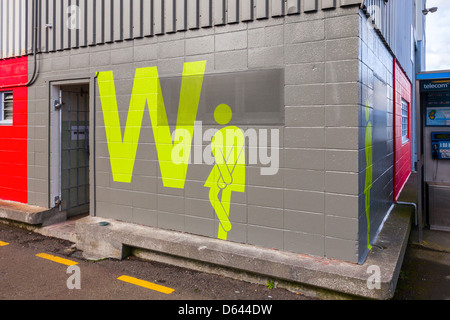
[75, 150]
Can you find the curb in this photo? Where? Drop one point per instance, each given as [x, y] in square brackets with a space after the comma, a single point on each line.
[100, 238]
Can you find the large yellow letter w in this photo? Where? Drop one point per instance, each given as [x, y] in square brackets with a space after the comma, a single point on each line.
[147, 90]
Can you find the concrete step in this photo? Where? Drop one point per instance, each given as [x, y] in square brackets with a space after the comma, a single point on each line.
[32, 215]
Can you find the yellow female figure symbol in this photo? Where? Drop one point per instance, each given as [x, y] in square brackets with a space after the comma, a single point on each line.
[228, 174]
[369, 171]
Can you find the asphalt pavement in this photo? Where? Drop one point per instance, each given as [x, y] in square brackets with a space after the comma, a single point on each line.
[26, 275]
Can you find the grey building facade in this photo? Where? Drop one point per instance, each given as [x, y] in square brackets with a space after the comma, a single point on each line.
[303, 79]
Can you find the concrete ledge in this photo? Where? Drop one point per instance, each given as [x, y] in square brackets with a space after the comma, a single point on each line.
[100, 238]
[30, 214]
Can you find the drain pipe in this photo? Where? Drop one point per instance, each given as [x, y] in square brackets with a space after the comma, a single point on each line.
[416, 214]
[35, 52]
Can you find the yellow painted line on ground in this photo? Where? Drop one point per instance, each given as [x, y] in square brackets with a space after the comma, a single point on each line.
[146, 284]
[56, 259]
[2, 244]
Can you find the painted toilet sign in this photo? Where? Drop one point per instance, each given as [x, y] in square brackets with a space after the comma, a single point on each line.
[227, 147]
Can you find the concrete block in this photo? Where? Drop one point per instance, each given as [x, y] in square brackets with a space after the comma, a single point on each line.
[121, 56]
[265, 237]
[341, 205]
[305, 243]
[308, 180]
[170, 221]
[304, 138]
[342, 160]
[231, 41]
[306, 201]
[342, 49]
[305, 52]
[335, 247]
[200, 45]
[308, 73]
[342, 116]
[78, 61]
[145, 52]
[301, 221]
[342, 71]
[305, 95]
[171, 49]
[145, 217]
[307, 31]
[341, 227]
[266, 57]
[230, 60]
[309, 159]
[200, 226]
[342, 93]
[304, 116]
[267, 197]
[168, 203]
[341, 182]
[265, 217]
[342, 138]
[342, 27]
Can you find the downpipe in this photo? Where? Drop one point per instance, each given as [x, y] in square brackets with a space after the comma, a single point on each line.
[412, 204]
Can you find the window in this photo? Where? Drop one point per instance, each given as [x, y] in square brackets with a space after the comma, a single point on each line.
[405, 121]
[6, 108]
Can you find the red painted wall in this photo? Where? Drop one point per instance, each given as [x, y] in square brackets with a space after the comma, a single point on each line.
[402, 151]
[13, 138]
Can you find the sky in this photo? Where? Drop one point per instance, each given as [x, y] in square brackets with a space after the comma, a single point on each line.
[438, 36]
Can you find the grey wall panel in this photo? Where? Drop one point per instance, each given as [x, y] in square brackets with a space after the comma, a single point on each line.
[99, 21]
[50, 21]
[29, 27]
[206, 13]
[170, 16]
[181, 15]
[44, 30]
[59, 26]
[1, 30]
[137, 24]
[10, 28]
[127, 19]
[293, 6]
[108, 21]
[117, 25]
[262, 9]
[219, 12]
[90, 23]
[74, 25]
[310, 5]
[66, 24]
[158, 16]
[233, 11]
[83, 30]
[147, 18]
[278, 8]
[193, 14]
[247, 10]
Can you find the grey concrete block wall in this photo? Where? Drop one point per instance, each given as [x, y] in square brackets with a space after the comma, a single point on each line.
[312, 205]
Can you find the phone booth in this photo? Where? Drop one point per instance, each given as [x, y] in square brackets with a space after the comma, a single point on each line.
[434, 91]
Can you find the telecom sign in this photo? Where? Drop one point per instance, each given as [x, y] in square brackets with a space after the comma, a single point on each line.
[438, 85]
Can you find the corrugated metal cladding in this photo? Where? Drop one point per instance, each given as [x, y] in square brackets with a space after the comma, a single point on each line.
[66, 24]
[382, 13]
